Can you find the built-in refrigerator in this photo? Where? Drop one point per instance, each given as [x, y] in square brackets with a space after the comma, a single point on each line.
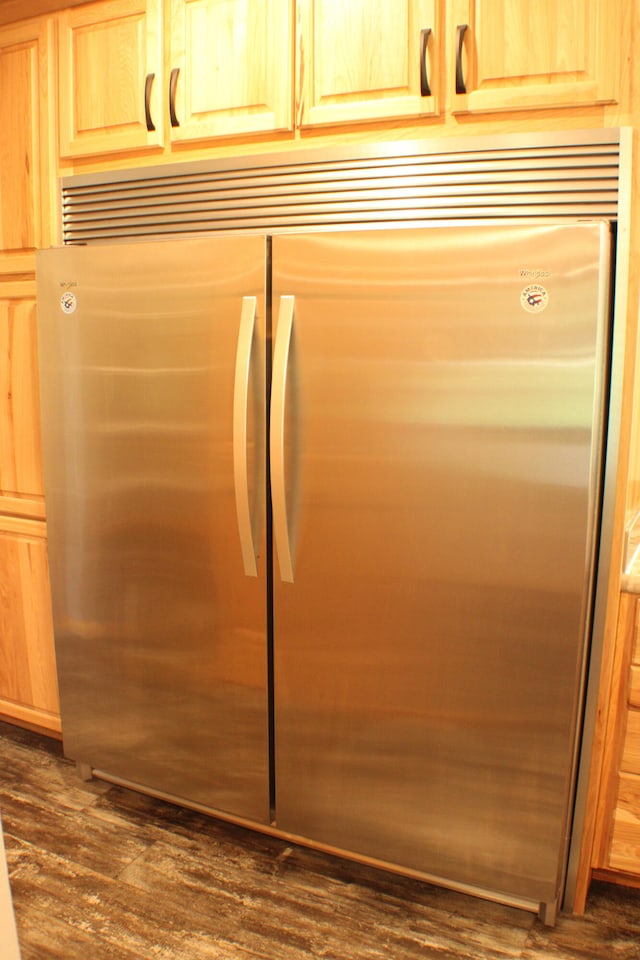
[323, 517]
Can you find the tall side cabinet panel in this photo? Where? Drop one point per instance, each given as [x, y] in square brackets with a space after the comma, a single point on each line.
[28, 682]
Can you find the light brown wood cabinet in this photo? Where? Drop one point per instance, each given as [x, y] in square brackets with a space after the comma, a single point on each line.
[26, 187]
[368, 61]
[28, 686]
[110, 70]
[28, 683]
[229, 72]
[21, 486]
[417, 58]
[534, 54]
[231, 68]
[618, 832]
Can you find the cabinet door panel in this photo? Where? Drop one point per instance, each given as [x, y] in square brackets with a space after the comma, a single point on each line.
[363, 61]
[631, 753]
[20, 454]
[23, 144]
[106, 52]
[534, 54]
[28, 684]
[235, 62]
[625, 843]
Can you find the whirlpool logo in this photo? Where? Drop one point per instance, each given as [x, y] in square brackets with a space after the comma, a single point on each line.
[534, 274]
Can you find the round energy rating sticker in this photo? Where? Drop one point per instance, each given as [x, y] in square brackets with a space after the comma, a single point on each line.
[534, 298]
[68, 302]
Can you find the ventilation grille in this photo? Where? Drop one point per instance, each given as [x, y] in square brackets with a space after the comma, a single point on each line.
[570, 177]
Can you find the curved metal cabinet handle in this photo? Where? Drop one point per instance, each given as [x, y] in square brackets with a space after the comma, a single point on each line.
[173, 83]
[425, 88]
[148, 83]
[240, 413]
[461, 29]
[278, 395]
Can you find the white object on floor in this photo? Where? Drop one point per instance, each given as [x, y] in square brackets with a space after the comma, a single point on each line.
[9, 949]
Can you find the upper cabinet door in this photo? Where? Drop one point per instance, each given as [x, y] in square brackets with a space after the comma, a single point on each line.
[533, 53]
[24, 145]
[362, 61]
[231, 67]
[110, 77]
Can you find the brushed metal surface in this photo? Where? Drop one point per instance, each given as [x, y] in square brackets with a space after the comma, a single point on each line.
[160, 638]
[444, 451]
[559, 175]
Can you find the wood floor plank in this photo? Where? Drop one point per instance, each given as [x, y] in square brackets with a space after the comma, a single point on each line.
[265, 868]
[615, 906]
[260, 901]
[94, 841]
[103, 873]
[579, 939]
[104, 918]
[38, 775]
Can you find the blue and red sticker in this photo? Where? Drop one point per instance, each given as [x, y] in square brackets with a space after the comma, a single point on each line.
[68, 302]
[534, 298]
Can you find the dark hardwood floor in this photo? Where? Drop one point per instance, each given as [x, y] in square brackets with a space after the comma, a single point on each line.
[102, 873]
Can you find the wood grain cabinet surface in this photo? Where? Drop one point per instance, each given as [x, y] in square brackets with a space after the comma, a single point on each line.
[624, 852]
[368, 61]
[28, 683]
[235, 68]
[618, 832]
[25, 185]
[231, 68]
[21, 484]
[418, 58]
[534, 54]
[110, 70]
[229, 73]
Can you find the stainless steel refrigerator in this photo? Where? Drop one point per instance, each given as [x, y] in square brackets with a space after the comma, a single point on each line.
[415, 420]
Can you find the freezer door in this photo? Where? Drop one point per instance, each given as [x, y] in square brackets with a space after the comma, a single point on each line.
[435, 462]
[145, 348]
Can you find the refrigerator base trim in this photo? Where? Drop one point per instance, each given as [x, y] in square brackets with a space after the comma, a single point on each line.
[546, 911]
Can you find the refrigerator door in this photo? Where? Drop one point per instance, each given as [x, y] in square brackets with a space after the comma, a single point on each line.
[435, 463]
[145, 349]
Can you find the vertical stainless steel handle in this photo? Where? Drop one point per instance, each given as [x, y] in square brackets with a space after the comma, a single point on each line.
[276, 445]
[461, 29]
[425, 88]
[173, 83]
[240, 413]
[148, 83]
